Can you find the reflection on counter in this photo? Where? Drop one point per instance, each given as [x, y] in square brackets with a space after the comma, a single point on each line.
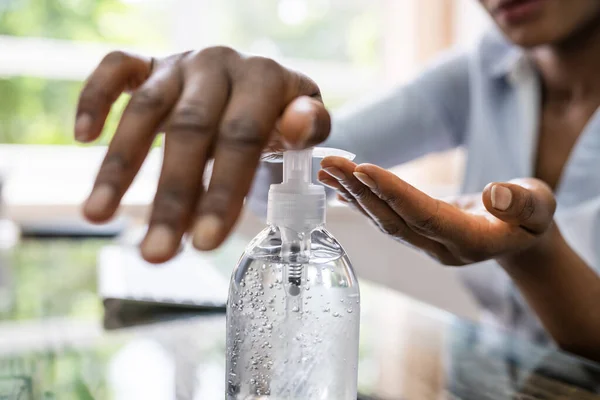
[54, 345]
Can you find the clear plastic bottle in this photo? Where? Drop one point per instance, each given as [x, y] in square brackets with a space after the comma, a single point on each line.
[293, 312]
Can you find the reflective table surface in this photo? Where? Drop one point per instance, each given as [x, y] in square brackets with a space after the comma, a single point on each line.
[54, 344]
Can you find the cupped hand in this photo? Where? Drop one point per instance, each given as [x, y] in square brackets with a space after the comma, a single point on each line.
[506, 218]
[215, 103]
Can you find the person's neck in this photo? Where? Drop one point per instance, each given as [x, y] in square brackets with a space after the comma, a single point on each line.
[569, 70]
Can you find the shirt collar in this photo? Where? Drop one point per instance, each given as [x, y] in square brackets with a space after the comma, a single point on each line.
[502, 59]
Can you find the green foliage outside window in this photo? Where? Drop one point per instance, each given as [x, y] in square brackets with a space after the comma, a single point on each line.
[41, 111]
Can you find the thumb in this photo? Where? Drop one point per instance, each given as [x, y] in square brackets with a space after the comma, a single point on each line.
[305, 122]
[528, 203]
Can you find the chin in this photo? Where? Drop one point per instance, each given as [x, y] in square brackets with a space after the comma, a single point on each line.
[544, 22]
[529, 38]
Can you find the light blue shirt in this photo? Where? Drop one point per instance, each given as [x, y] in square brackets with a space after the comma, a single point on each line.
[487, 100]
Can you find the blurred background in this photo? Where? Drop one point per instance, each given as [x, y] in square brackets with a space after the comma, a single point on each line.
[50, 290]
[351, 48]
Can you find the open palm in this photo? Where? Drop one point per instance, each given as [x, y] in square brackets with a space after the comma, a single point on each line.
[505, 218]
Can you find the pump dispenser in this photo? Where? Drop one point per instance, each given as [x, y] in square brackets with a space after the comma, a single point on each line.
[294, 304]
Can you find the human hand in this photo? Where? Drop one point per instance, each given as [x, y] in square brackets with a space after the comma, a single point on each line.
[214, 103]
[507, 218]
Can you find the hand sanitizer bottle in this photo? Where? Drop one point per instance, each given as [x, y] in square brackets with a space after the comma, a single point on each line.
[293, 311]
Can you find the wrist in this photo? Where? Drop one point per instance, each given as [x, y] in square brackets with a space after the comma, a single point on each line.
[544, 251]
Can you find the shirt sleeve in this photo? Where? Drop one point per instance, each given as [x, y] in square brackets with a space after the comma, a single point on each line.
[428, 114]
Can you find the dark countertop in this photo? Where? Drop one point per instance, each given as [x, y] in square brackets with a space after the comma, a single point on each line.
[53, 344]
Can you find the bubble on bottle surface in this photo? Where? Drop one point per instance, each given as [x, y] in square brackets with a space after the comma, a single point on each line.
[336, 314]
[326, 309]
[295, 309]
[349, 311]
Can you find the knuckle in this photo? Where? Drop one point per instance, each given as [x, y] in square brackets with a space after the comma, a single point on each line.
[264, 65]
[218, 199]
[264, 71]
[170, 205]
[221, 51]
[193, 117]
[527, 208]
[146, 99]
[215, 53]
[94, 95]
[391, 228]
[114, 57]
[243, 132]
[113, 168]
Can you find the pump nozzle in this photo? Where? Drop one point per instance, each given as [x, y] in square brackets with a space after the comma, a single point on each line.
[296, 203]
[297, 207]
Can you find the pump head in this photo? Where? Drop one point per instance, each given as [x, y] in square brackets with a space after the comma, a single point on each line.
[297, 203]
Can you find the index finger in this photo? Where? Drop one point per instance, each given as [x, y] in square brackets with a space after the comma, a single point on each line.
[428, 216]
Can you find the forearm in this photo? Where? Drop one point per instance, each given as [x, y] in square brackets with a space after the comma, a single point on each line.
[563, 290]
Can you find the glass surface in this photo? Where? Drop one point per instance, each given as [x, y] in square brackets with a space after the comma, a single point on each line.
[52, 345]
[293, 318]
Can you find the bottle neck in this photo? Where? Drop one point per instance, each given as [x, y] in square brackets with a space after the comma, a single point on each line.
[299, 212]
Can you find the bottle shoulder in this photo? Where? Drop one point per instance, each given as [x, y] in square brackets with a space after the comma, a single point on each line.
[323, 245]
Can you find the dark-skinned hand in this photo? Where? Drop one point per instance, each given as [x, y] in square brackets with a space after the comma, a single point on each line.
[212, 104]
[506, 218]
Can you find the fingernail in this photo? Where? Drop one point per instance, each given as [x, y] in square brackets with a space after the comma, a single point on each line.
[501, 197]
[304, 105]
[335, 172]
[365, 179]
[100, 198]
[159, 242]
[83, 126]
[206, 232]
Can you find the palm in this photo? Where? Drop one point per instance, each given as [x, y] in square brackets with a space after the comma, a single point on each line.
[484, 235]
[458, 231]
